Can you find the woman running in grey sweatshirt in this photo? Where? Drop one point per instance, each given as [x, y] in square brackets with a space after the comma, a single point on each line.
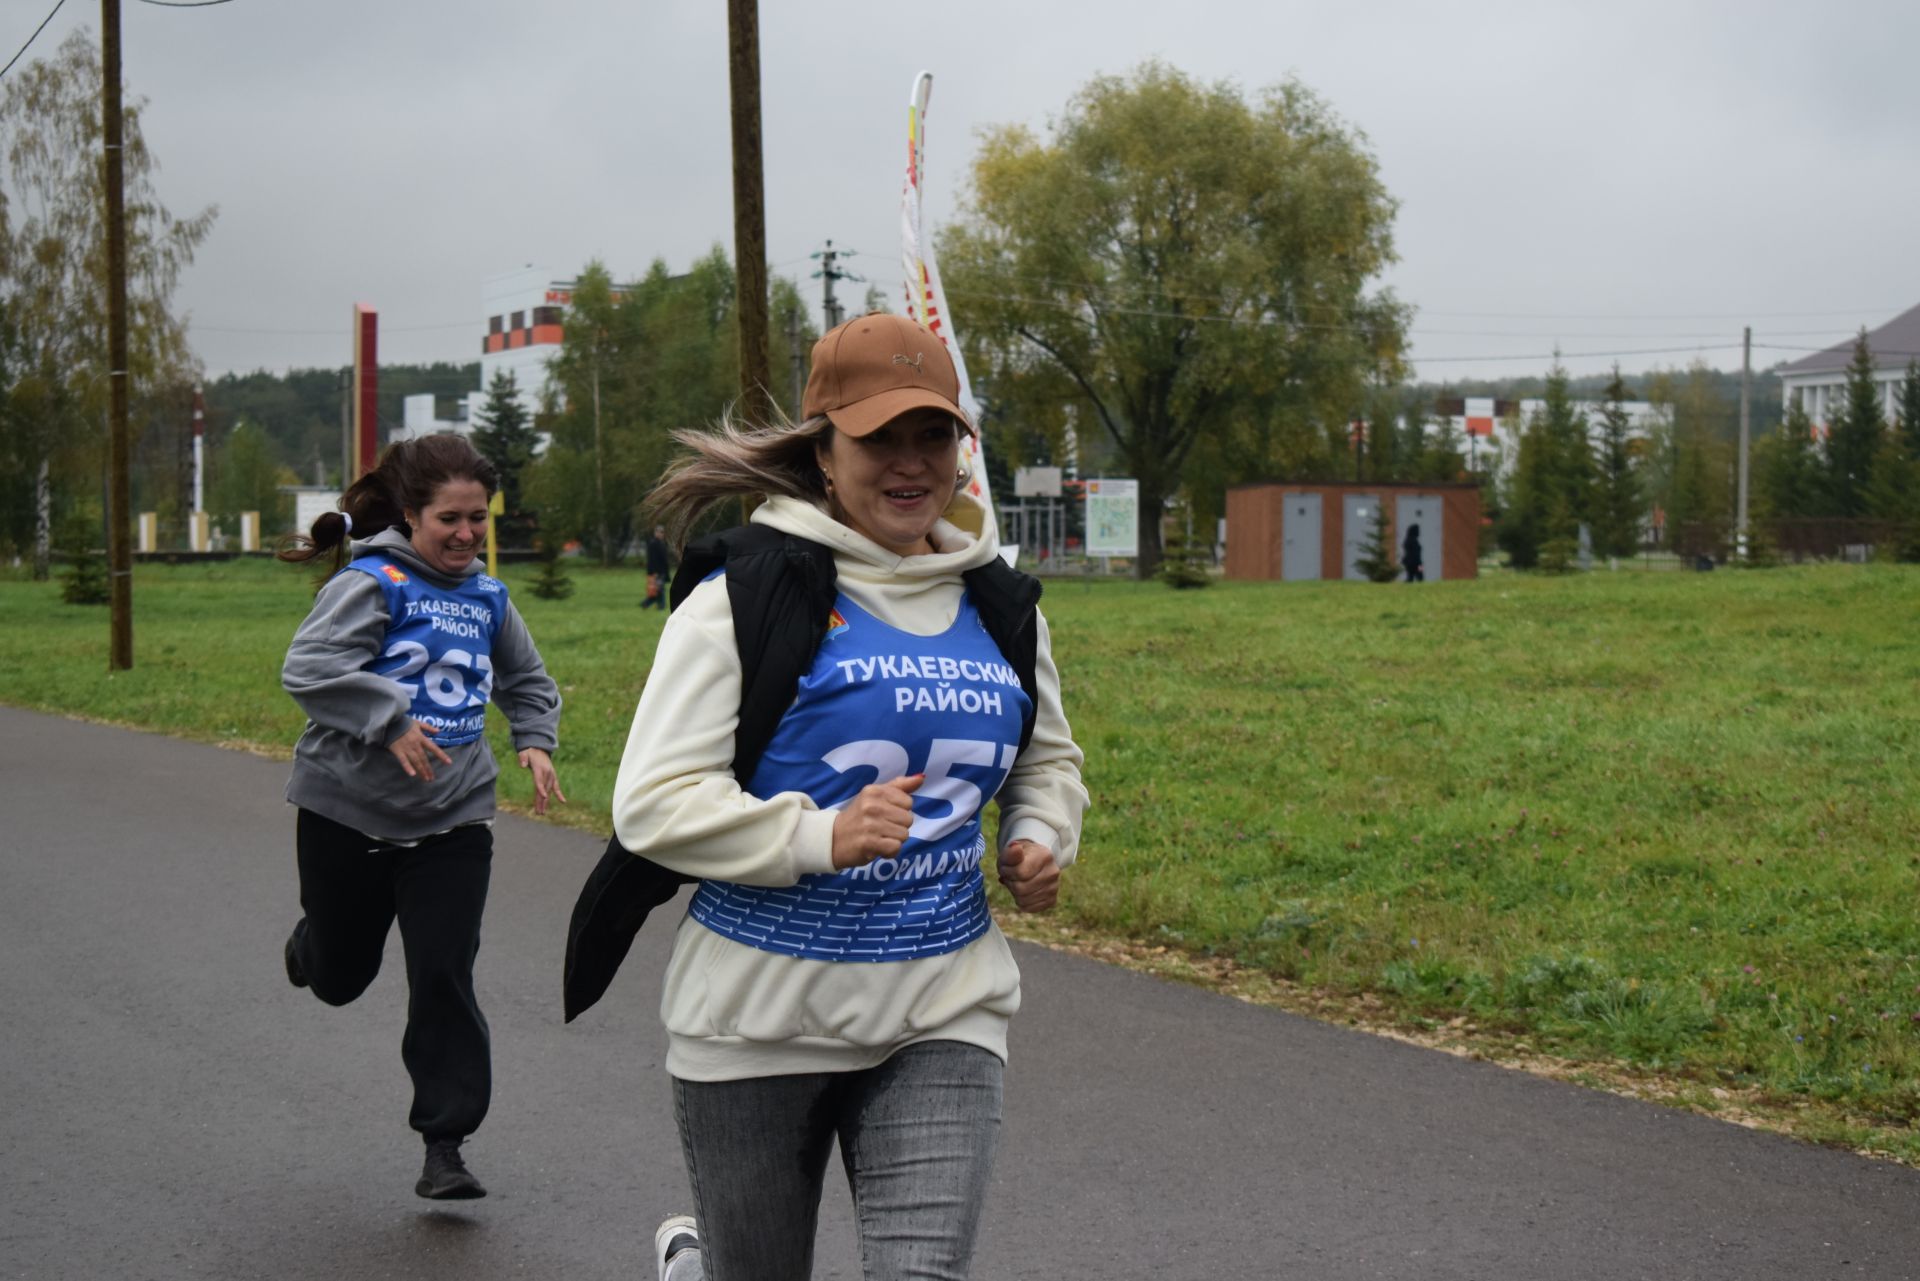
[406, 645]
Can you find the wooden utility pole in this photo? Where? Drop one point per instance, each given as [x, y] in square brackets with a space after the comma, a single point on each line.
[119, 485]
[749, 210]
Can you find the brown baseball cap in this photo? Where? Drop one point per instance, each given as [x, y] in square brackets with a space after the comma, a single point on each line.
[872, 369]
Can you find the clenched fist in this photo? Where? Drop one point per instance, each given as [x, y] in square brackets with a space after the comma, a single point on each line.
[875, 823]
[1030, 875]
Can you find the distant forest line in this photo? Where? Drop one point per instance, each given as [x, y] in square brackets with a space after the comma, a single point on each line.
[300, 410]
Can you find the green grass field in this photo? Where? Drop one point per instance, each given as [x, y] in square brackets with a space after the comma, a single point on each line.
[1666, 822]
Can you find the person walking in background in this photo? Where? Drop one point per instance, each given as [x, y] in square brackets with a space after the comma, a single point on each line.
[659, 564]
[393, 778]
[838, 975]
[1410, 555]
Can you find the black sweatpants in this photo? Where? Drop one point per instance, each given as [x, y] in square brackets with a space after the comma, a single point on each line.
[352, 887]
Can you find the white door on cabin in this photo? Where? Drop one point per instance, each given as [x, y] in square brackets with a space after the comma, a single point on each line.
[1423, 510]
[1300, 537]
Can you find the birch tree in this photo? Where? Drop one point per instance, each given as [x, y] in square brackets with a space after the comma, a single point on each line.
[53, 272]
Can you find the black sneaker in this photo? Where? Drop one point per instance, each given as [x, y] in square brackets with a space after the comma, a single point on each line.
[445, 1176]
[295, 975]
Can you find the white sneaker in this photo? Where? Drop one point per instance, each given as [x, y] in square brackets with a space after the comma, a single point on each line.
[672, 1239]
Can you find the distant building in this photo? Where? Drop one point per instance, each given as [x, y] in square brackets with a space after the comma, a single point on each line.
[309, 502]
[418, 417]
[1490, 440]
[1314, 530]
[1818, 383]
[526, 314]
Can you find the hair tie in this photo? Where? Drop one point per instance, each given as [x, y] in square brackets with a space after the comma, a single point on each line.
[347, 517]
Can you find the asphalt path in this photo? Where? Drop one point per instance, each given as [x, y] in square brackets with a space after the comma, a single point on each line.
[173, 1108]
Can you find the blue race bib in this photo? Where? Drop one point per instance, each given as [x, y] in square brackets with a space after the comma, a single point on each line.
[879, 704]
[439, 646]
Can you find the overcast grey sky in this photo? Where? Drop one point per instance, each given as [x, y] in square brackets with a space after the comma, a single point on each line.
[1601, 177]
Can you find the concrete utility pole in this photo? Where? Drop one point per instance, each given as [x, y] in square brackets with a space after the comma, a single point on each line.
[120, 484]
[829, 272]
[199, 449]
[1746, 389]
[749, 210]
[799, 359]
[347, 449]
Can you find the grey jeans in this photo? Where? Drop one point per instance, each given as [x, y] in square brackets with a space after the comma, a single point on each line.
[917, 1136]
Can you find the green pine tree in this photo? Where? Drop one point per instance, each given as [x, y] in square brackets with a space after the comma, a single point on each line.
[1376, 552]
[86, 578]
[1910, 410]
[1526, 496]
[503, 432]
[1559, 553]
[1184, 559]
[1552, 488]
[1855, 435]
[1787, 464]
[1763, 546]
[1413, 438]
[552, 582]
[1618, 504]
[1444, 457]
[1572, 472]
[1907, 456]
[1893, 496]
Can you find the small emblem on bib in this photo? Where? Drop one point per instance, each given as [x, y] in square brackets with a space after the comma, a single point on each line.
[836, 624]
[393, 572]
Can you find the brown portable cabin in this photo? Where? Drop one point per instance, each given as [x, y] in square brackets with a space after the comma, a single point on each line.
[1312, 530]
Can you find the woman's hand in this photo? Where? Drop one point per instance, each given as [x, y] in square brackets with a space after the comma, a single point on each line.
[875, 823]
[545, 782]
[1030, 875]
[415, 750]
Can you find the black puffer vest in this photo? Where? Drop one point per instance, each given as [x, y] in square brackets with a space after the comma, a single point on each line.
[781, 588]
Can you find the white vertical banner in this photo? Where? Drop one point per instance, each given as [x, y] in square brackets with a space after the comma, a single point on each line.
[926, 303]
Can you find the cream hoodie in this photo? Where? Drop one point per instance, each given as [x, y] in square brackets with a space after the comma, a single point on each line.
[732, 1010]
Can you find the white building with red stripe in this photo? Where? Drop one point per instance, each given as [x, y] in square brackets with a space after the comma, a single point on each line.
[525, 313]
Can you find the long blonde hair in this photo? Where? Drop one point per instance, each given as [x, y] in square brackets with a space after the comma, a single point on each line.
[735, 460]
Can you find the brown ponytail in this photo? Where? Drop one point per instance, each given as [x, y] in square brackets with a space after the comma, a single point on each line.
[408, 476]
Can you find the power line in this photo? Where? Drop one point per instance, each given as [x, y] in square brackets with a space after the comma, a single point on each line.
[1780, 346]
[301, 333]
[1643, 335]
[1410, 356]
[1658, 315]
[30, 39]
[1568, 355]
[1095, 289]
[1109, 309]
[1413, 329]
[185, 4]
